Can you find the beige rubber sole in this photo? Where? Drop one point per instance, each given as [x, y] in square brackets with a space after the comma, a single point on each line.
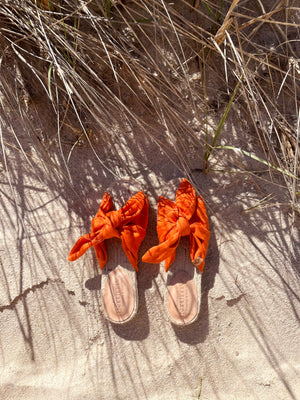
[119, 294]
[183, 297]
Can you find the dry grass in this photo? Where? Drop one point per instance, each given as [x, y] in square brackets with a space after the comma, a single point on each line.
[140, 62]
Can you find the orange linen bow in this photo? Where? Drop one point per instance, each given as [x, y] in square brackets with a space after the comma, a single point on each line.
[128, 223]
[187, 216]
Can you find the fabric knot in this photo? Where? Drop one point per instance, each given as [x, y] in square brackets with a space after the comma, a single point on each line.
[186, 216]
[128, 223]
[183, 226]
[115, 219]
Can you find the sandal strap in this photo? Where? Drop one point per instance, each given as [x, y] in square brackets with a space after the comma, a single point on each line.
[185, 217]
[128, 223]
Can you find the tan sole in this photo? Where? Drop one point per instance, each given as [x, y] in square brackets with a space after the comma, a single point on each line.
[119, 295]
[182, 299]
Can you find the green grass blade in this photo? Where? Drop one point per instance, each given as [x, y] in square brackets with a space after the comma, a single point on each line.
[221, 123]
[254, 157]
[199, 388]
[108, 6]
[209, 10]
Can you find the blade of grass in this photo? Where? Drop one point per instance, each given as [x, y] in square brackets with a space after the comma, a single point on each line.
[254, 157]
[259, 203]
[49, 80]
[220, 35]
[208, 9]
[199, 389]
[108, 6]
[220, 126]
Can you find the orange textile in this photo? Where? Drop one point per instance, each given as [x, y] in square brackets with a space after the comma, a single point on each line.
[128, 223]
[187, 216]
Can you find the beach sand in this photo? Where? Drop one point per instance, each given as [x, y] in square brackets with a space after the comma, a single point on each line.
[55, 342]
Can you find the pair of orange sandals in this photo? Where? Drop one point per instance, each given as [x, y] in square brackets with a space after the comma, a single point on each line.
[185, 217]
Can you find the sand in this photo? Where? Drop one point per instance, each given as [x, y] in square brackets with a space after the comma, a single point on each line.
[55, 342]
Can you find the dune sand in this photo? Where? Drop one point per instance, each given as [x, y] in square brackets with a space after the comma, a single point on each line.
[55, 342]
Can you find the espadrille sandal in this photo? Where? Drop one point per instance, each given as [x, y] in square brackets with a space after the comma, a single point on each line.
[119, 283]
[185, 217]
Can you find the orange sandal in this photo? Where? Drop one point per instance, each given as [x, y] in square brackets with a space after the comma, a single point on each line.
[185, 217]
[129, 224]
